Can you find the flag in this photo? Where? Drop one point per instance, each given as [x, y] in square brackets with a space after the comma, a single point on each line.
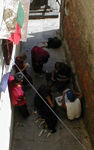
[4, 82]
[20, 15]
[16, 36]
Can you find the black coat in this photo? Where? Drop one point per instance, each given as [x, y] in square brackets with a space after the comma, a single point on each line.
[43, 109]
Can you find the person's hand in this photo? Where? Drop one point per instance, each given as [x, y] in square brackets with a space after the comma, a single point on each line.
[50, 101]
[27, 65]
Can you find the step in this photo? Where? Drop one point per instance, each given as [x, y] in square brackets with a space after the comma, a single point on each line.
[40, 10]
[43, 15]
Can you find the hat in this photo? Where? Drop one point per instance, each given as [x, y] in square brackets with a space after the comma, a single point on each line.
[70, 95]
[18, 77]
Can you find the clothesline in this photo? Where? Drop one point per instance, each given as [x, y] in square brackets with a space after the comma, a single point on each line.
[62, 122]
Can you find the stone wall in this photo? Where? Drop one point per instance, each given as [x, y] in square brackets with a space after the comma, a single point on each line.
[78, 27]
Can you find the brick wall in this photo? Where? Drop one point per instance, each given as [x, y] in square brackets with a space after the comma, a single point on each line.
[79, 34]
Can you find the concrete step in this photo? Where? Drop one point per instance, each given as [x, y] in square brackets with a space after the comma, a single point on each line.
[42, 15]
[40, 10]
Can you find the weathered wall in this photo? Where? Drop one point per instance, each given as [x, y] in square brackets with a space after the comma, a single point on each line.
[6, 111]
[79, 33]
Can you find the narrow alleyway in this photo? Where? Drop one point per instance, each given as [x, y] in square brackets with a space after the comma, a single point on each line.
[26, 133]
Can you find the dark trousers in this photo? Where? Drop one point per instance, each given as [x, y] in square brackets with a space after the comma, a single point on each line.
[23, 110]
[37, 66]
[25, 82]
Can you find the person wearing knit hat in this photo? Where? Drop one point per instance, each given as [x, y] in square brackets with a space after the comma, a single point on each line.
[70, 95]
[71, 102]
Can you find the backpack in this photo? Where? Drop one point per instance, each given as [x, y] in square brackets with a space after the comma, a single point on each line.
[53, 43]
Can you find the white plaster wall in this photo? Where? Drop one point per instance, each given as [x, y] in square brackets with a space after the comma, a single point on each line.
[5, 120]
[6, 113]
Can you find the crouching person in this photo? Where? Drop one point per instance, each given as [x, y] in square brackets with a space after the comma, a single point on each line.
[60, 76]
[20, 64]
[39, 57]
[16, 92]
[71, 102]
[43, 109]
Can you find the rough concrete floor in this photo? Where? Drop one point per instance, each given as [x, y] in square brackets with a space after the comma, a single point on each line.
[26, 135]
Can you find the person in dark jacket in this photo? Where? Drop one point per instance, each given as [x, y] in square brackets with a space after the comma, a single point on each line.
[39, 57]
[20, 64]
[60, 76]
[43, 109]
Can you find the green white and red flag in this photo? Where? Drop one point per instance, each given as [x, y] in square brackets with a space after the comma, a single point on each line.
[16, 36]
